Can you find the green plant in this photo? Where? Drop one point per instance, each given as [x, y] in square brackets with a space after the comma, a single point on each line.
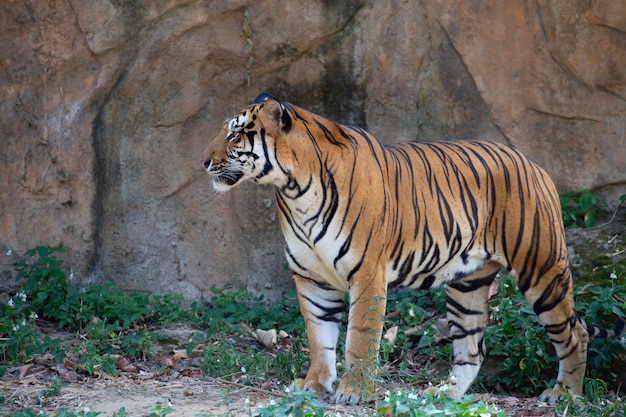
[414, 312]
[229, 308]
[600, 305]
[518, 337]
[409, 404]
[53, 389]
[580, 209]
[161, 410]
[44, 280]
[597, 402]
[250, 365]
[529, 358]
[20, 337]
[288, 362]
[108, 321]
[303, 404]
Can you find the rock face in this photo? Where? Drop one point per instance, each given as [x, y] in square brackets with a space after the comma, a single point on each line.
[106, 106]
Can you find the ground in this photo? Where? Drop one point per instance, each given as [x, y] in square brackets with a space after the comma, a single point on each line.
[189, 396]
[152, 385]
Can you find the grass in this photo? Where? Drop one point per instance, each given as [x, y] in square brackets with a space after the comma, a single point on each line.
[105, 324]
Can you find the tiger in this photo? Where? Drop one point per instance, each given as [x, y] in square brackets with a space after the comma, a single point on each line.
[360, 217]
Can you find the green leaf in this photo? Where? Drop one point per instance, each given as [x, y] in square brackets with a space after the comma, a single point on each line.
[590, 219]
[586, 200]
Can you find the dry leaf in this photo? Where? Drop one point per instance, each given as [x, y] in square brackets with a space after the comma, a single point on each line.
[24, 370]
[66, 374]
[45, 359]
[123, 365]
[266, 337]
[493, 288]
[179, 354]
[391, 335]
[167, 361]
[69, 364]
[191, 372]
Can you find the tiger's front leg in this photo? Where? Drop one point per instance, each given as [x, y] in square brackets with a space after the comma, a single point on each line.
[322, 309]
[368, 299]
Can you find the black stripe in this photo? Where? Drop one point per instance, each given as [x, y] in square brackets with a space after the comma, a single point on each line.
[473, 285]
[330, 312]
[460, 309]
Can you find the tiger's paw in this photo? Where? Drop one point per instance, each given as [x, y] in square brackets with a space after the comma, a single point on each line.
[353, 387]
[552, 395]
[301, 384]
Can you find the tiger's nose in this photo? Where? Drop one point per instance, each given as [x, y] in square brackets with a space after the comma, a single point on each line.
[207, 163]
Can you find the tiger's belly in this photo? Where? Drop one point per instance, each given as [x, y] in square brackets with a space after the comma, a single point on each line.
[322, 262]
[429, 273]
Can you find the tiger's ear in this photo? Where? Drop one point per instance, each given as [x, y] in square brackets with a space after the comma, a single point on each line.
[277, 113]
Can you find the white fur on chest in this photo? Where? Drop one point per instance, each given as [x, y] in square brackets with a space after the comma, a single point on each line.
[317, 260]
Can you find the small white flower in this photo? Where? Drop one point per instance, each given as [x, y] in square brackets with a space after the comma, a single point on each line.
[9, 251]
[287, 390]
[411, 312]
[247, 401]
[272, 402]
[11, 303]
[22, 295]
[243, 369]
[86, 410]
[452, 379]
[169, 403]
[71, 277]
[386, 399]
[412, 396]
[33, 315]
[613, 275]
[16, 327]
[387, 393]
[23, 322]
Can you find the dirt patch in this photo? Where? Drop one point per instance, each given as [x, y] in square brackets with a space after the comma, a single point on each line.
[188, 397]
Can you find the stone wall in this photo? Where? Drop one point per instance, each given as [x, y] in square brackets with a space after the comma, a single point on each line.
[105, 107]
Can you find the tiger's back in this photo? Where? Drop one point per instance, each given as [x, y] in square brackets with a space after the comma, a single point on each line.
[479, 202]
[358, 217]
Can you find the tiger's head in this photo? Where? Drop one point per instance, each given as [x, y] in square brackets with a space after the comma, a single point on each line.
[245, 148]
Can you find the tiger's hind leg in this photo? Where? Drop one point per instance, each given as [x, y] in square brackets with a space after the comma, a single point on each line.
[467, 319]
[554, 305]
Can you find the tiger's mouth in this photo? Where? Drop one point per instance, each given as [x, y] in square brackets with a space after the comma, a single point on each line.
[229, 178]
[223, 179]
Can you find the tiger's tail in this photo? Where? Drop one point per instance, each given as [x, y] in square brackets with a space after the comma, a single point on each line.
[600, 332]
